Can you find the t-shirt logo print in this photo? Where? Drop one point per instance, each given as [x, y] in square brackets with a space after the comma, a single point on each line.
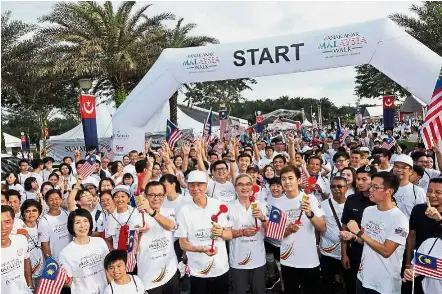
[208, 268]
[247, 259]
[19, 251]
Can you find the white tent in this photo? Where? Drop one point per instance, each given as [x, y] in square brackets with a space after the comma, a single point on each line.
[374, 111]
[65, 144]
[11, 142]
[306, 123]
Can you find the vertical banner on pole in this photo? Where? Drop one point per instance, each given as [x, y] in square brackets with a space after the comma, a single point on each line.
[23, 143]
[89, 120]
[259, 125]
[388, 105]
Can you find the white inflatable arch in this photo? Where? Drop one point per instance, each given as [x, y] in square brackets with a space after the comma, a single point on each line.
[381, 43]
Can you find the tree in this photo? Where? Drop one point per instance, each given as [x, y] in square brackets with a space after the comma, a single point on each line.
[178, 37]
[213, 94]
[112, 47]
[425, 27]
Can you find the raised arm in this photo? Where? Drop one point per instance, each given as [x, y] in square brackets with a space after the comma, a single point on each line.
[71, 198]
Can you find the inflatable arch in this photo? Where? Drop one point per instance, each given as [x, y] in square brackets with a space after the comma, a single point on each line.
[381, 43]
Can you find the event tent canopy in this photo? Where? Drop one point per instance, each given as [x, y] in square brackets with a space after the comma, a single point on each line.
[373, 111]
[412, 104]
[11, 141]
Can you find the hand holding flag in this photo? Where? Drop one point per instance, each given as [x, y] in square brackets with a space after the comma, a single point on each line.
[52, 279]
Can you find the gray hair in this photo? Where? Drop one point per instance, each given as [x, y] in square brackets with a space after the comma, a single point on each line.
[240, 176]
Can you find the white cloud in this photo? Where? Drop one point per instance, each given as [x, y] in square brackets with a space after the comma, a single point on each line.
[242, 21]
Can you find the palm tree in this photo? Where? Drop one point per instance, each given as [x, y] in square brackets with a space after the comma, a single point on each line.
[178, 38]
[113, 47]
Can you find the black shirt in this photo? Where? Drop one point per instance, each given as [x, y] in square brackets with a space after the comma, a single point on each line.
[424, 226]
[353, 209]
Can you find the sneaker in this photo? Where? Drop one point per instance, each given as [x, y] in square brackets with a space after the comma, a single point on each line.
[271, 282]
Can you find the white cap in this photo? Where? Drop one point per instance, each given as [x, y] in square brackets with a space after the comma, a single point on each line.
[404, 159]
[364, 149]
[306, 148]
[197, 176]
[90, 181]
[121, 188]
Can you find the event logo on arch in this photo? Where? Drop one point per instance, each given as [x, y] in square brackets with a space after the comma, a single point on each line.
[201, 62]
[342, 44]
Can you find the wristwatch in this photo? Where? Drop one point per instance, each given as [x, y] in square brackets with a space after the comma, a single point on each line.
[153, 213]
[311, 216]
[232, 160]
[359, 234]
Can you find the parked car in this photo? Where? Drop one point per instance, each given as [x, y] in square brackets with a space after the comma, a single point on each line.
[9, 164]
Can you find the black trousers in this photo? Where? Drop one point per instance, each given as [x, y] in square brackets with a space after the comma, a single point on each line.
[171, 287]
[329, 268]
[308, 278]
[350, 275]
[216, 285]
[361, 290]
[243, 278]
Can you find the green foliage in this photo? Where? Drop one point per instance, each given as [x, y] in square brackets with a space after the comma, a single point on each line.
[119, 97]
[426, 27]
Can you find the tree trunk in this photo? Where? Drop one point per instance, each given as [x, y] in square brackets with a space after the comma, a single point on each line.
[44, 123]
[173, 108]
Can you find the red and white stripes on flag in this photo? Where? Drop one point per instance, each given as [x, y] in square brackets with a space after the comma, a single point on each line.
[432, 127]
[88, 167]
[344, 135]
[277, 224]
[175, 135]
[132, 255]
[46, 286]
[223, 128]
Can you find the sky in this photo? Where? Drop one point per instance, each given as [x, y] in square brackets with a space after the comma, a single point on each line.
[241, 21]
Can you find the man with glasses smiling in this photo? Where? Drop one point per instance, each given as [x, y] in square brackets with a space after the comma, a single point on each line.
[330, 244]
[408, 195]
[383, 232]
[420, 158]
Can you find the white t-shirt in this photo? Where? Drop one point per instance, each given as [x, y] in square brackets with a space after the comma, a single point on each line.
[13, 260]
[19, 188]
[18, 224]
[349, 192]
[385, 170]
[408, 196]
[38, 178]
[37, 234]
[45, 174]
[376, 272]
[246, 252]
[324, 184]
[59, 236]
[157, 262]
[223, 192]
[85, 265]
[195, 224]
[330, 244]
[135, 286]
[264, 161]
[299, 249]
[176, 204]
[431, 285]
[428, 175]
[132, 217]
[22, 178]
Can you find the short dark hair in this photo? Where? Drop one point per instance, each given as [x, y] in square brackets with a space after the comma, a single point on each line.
[106, 179]
[154, 184]
[140, 165]
[12, 192]
[280, 156]
[52, 191]
[340, 154]
[211, 153]
[66, 157]
[23, 160]
[419, 170]
[384, 152]
[314, 157]
[171, 179]
[269, 147]
[28, 182]
[128, 176]
[81, 161]
[133, 151]
[245, 155]
[47, 159]
[275, 181]
[114, 256]
[435, 180]
[7, 208]
[36, 163]
[290, 168]
[54, 175]
[28, 203]
[67, 165]
[91, 148]
[339, 178]
[416, 155]
[218, 162]
[114, 166]
[79, 212]
[356, 151]
[391, 181]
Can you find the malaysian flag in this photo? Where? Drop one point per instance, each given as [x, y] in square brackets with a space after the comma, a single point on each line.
[107, 151]
[432, 127]
[173, 134]
[427, 265]
[344, 135]
[88, 167]
[132, 251]
[207, 132]
[223, 116]
[52, 279]
[389, 143]
[277, 223]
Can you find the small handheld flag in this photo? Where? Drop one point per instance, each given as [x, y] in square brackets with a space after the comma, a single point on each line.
[173, 134]
[427, 265]
[88, 167]
[277, 223]
[207, 132]
[52, 279]
[132, 247]
[389, 143]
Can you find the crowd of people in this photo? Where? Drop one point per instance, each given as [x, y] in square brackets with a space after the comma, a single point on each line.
[194, 217]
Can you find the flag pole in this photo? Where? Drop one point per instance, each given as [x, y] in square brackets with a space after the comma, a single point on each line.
[412, 282]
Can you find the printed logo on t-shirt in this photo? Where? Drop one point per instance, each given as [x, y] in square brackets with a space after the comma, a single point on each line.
[161, 276]
[203, 234]
[19, 251]
[159, 244]
[90, 260]
[247, 259]
[285, 254]
[11, 265]
[401, 232]
[374, 228]
[208, 268]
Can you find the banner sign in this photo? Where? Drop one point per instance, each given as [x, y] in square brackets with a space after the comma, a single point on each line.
[388, 105]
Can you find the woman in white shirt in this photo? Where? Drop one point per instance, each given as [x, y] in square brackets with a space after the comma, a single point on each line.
[31, 189]
[117, 172]
[13, 183]
[350, 176]
[83, 258]
[67, 176]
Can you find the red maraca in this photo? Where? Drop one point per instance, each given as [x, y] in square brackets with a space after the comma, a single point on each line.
[255, 190]
[222, 209]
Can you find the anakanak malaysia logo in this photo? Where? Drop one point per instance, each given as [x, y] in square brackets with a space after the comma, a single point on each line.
[342, 44]
[201, 62]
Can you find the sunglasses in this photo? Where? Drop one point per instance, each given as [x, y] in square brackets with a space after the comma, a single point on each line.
[337, 186]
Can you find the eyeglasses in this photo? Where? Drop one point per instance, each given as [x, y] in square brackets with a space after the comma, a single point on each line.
[31, 210]
[155, 195]
[241, 185]
[223, 169]
[337, 186]
[376, 188]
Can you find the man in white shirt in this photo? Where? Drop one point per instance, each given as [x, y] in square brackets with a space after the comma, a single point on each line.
[420, 159]
[322, 187]
[23, 165]
[384, 230]
[47, 161]
[196, 230]
[104, 166]
[15, 258]
[384, 157]
[330, 244]
[247, 254]
[37, 166]
[299, 256]
[408, 195]
[130, 168]
[268, 158]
